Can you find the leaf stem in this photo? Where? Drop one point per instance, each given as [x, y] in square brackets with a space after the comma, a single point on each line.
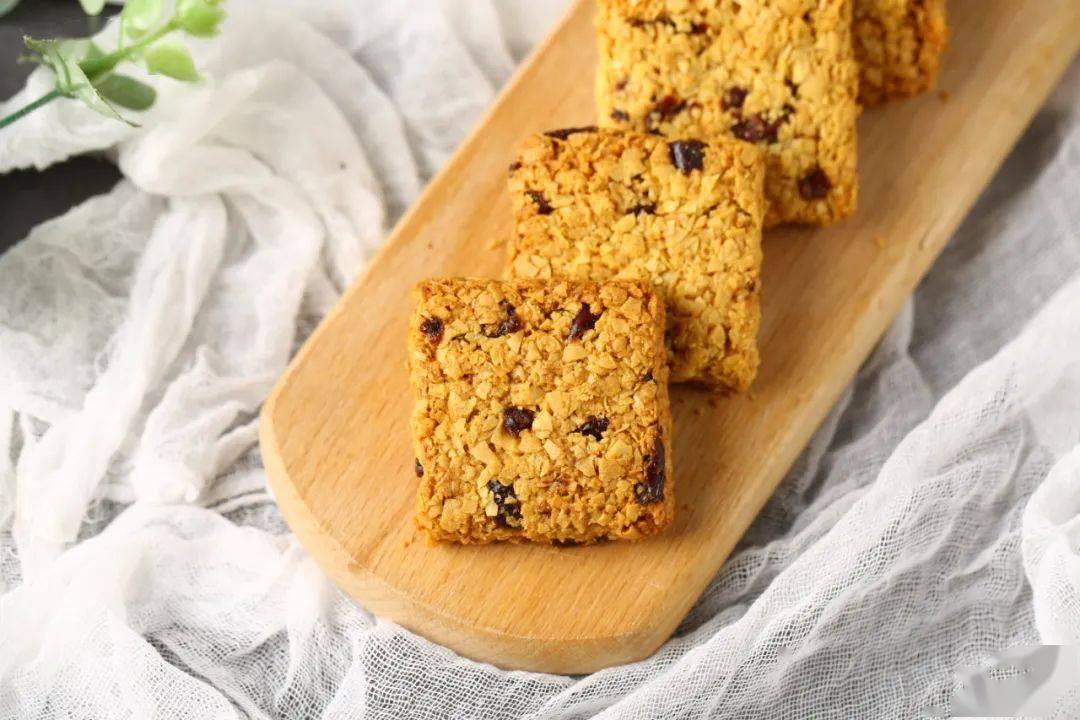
[27, 109]
[96, 67]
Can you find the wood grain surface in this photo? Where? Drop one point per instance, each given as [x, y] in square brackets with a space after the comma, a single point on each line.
[335, 435]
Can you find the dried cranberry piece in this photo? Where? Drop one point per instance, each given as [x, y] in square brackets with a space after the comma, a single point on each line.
[506, 500]
[755, 129]
[652, 489]
[582, 322]
[698, 28]
[621, 83]
[667, 108]
[687, 155]
[542, 205]
[734, 97]
[594, 427]
[516, 419]
[432, 329]
[567, 132]
[514, 166]
[620, 115]
[509, 325]
[418, 467]
[815, 184]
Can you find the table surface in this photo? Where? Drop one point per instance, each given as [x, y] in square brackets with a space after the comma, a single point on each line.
[29, 197]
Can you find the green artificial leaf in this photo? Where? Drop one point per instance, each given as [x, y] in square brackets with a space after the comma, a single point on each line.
[170, 57]
[93, 52]
[138, 16]
[199, 17]
[63, 57]
[92, 7]
[127, 92]
[7, 6]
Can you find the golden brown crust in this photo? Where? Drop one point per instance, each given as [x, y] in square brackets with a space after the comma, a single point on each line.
[537, 418]
[602, 204]
[780, 73]
[898, 44]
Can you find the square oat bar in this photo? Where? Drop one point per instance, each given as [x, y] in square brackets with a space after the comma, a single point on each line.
[898, 44]
[607, 204]
[541, 411]
[777, 73]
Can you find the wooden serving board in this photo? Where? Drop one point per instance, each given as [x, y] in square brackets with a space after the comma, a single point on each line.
[335, 435]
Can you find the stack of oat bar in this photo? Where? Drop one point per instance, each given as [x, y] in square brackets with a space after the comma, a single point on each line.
[541, 403]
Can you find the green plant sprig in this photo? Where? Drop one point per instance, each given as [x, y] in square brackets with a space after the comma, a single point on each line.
[84, 72]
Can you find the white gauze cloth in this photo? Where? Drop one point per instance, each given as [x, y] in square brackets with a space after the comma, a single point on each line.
[145, 572]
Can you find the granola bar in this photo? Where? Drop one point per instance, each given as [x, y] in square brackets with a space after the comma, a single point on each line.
[601, 204]
[541, 411]
[898, 44]
[777, 73]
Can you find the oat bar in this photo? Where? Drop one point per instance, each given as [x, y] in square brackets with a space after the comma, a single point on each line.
[898, 44]
[601, 204]
[777, 73]
[541, 411]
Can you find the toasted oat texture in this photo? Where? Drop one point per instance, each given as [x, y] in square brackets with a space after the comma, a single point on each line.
[778, 73]
[898, 44]
[600, 204]
[541, 411]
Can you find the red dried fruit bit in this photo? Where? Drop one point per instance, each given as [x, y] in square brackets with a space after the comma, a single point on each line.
[514, 166]
[687, 155]
[652, 489]
[432, 329]
[583, 322]
[619, 115]
[815, 184]
[509, 325]
[698, 28]
[755, 129]
[567, 132]
[594, 427]
[542, 205]
[516, 419]
[418, 467]
[646, 208]
[667, 108]
[621, 84]
[506, 499]
[734, 97]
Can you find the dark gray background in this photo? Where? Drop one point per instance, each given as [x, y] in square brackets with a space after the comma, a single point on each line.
[28, 197]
